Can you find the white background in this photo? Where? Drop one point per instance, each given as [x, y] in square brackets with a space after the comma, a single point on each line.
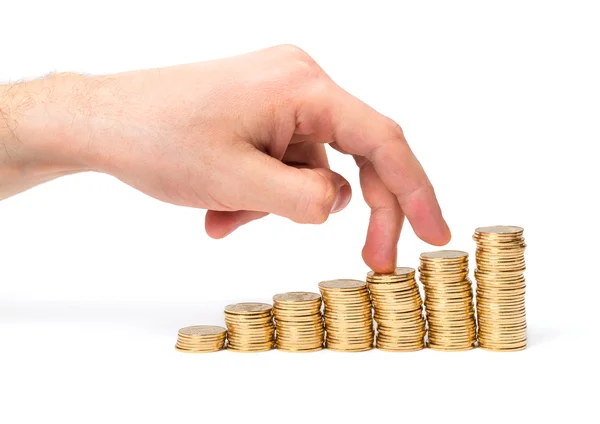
[499, 102]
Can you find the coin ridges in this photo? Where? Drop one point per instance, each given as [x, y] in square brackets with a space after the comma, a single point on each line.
[347, 315]
[250, 327]
[298, 322]
[451, 324]
[398, 310]
[500, 293]
[201, 339]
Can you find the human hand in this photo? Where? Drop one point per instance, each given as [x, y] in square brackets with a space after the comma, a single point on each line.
[244, 137]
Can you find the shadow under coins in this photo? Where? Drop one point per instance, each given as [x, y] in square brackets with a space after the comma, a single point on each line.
[162, 318]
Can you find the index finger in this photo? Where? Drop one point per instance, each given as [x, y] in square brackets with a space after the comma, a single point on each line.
[360, 130]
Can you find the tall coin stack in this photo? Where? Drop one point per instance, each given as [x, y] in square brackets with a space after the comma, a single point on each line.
[249, 327]
[201, 339]
[398, 310]
[298, 321]
[348, 315]
[501, 288]
[448, 300]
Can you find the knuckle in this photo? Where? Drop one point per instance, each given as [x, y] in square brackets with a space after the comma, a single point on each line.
[393, 134]
[292, 51]
[395, 129]
[301, 63]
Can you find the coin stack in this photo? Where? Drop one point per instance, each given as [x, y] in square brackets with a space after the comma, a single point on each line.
[348, 315]
[448, 300]
[250, 327]
[201, 339]
[298, 322]
[398, 310]
[501, 288]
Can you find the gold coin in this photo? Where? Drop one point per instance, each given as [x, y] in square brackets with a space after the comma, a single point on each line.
[450, 348]
[292, 350]
[296, 335]
[341, 285]
[351, 343]
[201, 339]
[299, 322]
[202, 330]
[347, 314]
[248, 308]
[397, 308]
[336, 348]
[250, 327]
[445, 255]
[196, 350]
[303, 336]
[250, 350]
[500, 229]
[295, 345]
[400, 349]
[296, 297]
[448, 300]
[385, 334]
[399, 274]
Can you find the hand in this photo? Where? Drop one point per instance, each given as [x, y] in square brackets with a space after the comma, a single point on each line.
[241, 137]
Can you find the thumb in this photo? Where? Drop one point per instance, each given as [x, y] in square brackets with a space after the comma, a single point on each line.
[302, 195]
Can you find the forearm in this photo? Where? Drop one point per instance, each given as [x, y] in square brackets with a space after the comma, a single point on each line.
[36, 145]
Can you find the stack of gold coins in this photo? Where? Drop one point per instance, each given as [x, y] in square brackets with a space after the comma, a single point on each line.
[448, 300]
[348, 315]
[501, 288]
[398, 310]
[250, 327]
[201, 339]
[298, 321]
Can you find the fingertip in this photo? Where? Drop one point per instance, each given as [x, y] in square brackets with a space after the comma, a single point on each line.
[380, 250]
[214, 225]
[220, 224]
[447, 235]
[216, 233]
[379, 260]
[436, 232]
[425, 216]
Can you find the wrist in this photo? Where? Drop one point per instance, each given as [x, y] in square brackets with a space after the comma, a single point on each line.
[35, 144]
[38, 123]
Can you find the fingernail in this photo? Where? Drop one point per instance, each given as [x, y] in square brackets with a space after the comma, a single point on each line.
[342, 198]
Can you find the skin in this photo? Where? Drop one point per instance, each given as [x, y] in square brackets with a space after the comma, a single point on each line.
[241, 137]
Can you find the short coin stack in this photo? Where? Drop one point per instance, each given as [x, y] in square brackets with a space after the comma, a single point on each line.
[448, 300]
[501, 288]
[348, 315]
[398, 310]
[250, 327]
[201, 339]
[298, 321]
